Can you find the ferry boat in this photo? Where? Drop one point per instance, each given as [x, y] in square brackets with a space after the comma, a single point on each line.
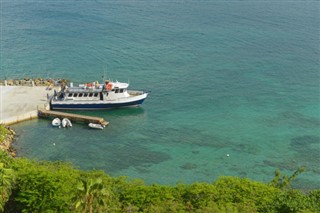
[94, 96]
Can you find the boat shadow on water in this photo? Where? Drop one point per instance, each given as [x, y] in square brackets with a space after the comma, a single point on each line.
[116, 112]
[130, 111]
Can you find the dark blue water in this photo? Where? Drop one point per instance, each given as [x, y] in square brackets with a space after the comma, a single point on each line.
[237, 78]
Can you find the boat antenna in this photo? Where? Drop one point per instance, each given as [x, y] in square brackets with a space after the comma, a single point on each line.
[104, 74]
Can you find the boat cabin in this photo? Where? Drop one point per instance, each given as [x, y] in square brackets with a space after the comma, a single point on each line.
[108, 91]
[97, 96]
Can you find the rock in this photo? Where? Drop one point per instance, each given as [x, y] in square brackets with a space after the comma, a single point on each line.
[23, 82]
[10, 82]
[37, 82]
[28, 83]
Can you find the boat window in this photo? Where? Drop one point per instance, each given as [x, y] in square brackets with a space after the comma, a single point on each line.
[95, 94]
[75, 95]
[80, 95]
[117, 90]
[85, 94]
[113, 90]
[70, 94]
[121, 90]
[90, 94]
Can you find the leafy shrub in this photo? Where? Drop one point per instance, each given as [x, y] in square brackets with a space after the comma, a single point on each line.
[244, 191]
[7, 178]
[58, 187]
[44, 186]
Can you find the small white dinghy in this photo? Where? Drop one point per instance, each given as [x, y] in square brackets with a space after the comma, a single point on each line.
[95, 126]
[56, 122]
[66, 123]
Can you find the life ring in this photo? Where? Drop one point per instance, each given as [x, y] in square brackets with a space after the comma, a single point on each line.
[109, 86]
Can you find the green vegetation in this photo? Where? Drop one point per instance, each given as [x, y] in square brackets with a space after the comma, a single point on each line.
[3, 133]
[32, 186]
[7, 179]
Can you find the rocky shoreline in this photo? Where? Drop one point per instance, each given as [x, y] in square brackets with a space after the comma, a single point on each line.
[6, 143]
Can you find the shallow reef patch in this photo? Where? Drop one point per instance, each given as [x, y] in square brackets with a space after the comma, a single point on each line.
[188, 166]
[137, 156]
[307, 148]
[293, 119]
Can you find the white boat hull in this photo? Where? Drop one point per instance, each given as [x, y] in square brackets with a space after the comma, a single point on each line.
[66, 123]
[94, 105]
[56, 122]
[95, 126]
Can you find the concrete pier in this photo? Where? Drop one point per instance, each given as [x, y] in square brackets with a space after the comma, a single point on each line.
[73, 117]
[19, 103]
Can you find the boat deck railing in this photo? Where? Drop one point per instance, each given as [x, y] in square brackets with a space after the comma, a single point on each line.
[82, 90]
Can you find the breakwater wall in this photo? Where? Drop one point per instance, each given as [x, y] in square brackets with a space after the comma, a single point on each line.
[33, 82]
[21, 117]
[25, 116]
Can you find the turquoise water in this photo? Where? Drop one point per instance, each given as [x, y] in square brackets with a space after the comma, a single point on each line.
[237, 78]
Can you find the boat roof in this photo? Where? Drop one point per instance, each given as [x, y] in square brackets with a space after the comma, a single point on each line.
[83, 88]
[119, 84]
